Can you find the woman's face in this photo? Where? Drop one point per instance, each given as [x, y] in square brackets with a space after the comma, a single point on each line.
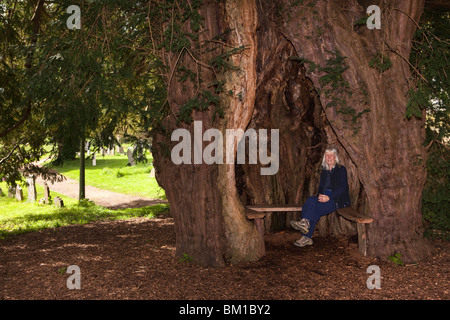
[330, 159]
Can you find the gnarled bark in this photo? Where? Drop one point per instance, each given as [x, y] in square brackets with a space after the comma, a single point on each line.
[387, 149]
[280, 84]
[210, 223]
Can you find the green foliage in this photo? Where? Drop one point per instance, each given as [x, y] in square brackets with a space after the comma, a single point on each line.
[60, 85]
[208, 97]
[185, 258]
[429, 58]
[335, 87]
[202, 102]
[435, 198]
[85, 203]
[361, 21]
[220, 62]
[334, 69]
[380, 62]
[430, 68]
[397, 259]
[62, 270]
[194, 57]
[418, 100]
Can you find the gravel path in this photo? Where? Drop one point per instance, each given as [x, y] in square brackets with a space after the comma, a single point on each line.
[105, 198]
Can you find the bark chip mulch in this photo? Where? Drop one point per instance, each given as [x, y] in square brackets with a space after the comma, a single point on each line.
[135, 259]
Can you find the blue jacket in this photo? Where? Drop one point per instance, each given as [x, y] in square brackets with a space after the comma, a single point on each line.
[338, 185]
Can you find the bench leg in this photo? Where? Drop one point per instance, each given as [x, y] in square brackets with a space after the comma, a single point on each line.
[362, 238]
[259, 223]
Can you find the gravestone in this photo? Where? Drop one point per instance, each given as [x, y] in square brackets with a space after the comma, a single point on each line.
[31, 183]
[152, 173]
[130, 156]
[58, 202]
[11, 192]
[47, 196]
[19, 193]
[1, 192]
[94, 160]
[121, 150]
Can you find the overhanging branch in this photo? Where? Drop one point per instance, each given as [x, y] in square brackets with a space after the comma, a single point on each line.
[443, 5]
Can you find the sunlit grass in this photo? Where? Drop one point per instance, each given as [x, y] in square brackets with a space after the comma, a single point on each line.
[112, 173]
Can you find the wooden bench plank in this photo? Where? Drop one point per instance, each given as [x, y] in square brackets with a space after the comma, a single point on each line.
[252, 214]
[275, 208]
[351, 214]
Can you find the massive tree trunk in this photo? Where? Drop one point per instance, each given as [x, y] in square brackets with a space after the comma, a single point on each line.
[386, 148]
[303, 68]
[209, 218]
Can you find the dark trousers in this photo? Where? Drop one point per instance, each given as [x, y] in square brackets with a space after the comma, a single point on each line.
[313, 210]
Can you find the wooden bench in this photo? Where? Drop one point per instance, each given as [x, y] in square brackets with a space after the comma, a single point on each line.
[258, 213]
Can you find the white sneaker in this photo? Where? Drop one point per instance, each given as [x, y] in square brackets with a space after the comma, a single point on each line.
[302, 225]
[303, 242]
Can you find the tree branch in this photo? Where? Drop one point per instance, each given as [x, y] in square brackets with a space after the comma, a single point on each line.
[443, 5]
[10, 153]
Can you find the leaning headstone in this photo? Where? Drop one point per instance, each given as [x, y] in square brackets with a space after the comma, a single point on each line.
[31, 183]
[121, 150]
[47, 196]
[130, 156]
[94, 160]
[19, 193]
[58, 202]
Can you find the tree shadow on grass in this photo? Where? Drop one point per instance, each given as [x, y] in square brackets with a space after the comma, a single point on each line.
[75, 214]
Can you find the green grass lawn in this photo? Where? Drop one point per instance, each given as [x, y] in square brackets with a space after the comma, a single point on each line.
[112, 173]
[18, 217]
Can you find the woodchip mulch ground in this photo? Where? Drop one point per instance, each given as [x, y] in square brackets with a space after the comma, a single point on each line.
[135, 259]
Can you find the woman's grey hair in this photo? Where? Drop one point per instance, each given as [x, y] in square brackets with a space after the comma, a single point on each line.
[328, 150]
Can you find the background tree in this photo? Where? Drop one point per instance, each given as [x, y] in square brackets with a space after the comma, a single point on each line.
[20, 25]
[65, 86]
[429, 58]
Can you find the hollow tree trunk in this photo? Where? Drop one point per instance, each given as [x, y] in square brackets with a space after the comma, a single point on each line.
[286, 101]
[385, 146]
[293, 76]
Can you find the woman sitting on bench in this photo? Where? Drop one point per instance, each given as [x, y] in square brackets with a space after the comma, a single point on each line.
[333, 194]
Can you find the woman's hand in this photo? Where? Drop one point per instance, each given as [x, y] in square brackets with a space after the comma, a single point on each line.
[323, 198]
